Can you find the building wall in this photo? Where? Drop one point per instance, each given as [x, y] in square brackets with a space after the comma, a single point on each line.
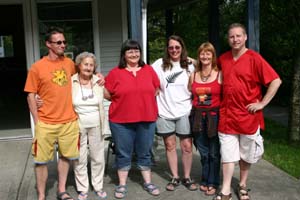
[111, 33]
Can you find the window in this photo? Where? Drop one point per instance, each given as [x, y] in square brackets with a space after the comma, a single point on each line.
[6, 46]
[76, 20]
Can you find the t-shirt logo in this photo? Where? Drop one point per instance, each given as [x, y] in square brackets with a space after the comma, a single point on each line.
[172, 77]
[204, 96]
[60, 77]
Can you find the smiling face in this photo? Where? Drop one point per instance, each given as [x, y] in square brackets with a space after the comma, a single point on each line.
[132, 57]
[87, 67]
[205, 57]
[56, 44]
[174, 50]
[237, 38]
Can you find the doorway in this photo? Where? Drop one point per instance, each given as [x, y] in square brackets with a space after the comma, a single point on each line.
[14, 113]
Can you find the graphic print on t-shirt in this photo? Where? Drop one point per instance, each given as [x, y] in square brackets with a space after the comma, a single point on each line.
[60, 77]
[204, 96]
[172, 77]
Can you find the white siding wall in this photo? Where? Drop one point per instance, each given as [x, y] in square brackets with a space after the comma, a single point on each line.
[111, 33]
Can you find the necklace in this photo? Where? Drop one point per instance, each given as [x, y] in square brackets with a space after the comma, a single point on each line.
[205, 78]
[90, 96]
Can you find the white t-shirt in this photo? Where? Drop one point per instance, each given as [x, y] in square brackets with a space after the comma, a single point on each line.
[174, 99]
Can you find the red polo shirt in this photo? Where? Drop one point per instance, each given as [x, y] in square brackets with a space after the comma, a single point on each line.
[242, 81]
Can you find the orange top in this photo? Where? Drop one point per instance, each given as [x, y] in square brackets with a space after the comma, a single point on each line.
[51, 80]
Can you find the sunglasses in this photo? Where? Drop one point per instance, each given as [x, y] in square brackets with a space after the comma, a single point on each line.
[174, 47]
[59, 42]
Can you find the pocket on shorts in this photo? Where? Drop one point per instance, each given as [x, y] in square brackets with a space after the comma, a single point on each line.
[259, 150]
[34, 147]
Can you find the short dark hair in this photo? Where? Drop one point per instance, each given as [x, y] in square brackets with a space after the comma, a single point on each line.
[127, 45]
[51, 31]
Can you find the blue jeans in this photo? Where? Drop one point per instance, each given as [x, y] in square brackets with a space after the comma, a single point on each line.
[133, 137]
[209, 149]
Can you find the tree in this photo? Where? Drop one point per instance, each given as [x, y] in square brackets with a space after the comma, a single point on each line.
[282, 50]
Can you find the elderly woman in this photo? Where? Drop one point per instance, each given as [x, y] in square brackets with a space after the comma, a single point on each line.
[174, 105]
[88, 103]
[131, 87]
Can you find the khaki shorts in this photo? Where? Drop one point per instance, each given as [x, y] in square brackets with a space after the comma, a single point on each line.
[180, 126]
[47, 135]
[239, 146]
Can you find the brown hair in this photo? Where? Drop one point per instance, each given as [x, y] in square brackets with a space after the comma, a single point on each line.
[207, 46]
[184, 62]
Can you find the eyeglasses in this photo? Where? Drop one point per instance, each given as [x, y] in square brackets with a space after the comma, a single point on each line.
[59, 42]
[131, 52]
[174, 47]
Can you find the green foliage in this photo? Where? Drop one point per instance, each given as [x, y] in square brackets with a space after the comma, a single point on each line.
[279, 32]
[282, 18]
[278, 151]
[189, 22]
[156, 35]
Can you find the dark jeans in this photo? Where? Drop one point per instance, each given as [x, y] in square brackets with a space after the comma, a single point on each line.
[133, 137]
[209, 149]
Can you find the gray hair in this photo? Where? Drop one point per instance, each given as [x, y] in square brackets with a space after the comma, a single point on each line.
[79, 58]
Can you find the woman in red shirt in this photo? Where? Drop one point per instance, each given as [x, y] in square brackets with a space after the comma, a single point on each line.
[131, 87]
[205, 85]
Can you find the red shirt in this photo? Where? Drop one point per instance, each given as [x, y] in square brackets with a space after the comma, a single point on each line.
[242, 81]
[206, 95]
[132, 97]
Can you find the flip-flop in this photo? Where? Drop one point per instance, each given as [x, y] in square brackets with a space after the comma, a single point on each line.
[101, 195]
[82, 196]
[150, 188]
[122, 190]
[59, 196]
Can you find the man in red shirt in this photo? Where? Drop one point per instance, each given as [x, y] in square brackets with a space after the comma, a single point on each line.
[241, 117]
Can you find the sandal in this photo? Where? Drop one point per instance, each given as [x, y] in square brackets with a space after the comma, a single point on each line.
[61, 194]
[120, 191]
[82, 196]
[210, 191]
[203, 188]
[101, 195]
[189, 184]
[173, 184]
[151, 188]
[222, 196]
[243, 193]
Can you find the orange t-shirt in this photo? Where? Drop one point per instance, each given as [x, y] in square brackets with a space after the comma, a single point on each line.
[51, 80]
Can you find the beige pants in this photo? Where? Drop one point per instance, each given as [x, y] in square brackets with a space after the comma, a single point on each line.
[92, 143]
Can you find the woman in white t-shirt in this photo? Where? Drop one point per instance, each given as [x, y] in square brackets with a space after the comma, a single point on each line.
[174, 106]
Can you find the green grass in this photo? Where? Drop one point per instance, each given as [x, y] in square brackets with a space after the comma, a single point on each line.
[279, 151]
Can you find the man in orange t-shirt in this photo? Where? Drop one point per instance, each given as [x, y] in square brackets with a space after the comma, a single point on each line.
[55, 121]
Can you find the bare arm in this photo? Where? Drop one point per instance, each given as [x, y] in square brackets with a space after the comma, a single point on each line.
[271, 91]
[33, 106]
[101, 80]
[107, 94]
[191, 79]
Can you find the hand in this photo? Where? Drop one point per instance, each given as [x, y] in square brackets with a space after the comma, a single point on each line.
[101, 80]
[39, 102]
[254, 107]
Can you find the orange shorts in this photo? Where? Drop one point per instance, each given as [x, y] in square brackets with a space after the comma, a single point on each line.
[48, 135]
